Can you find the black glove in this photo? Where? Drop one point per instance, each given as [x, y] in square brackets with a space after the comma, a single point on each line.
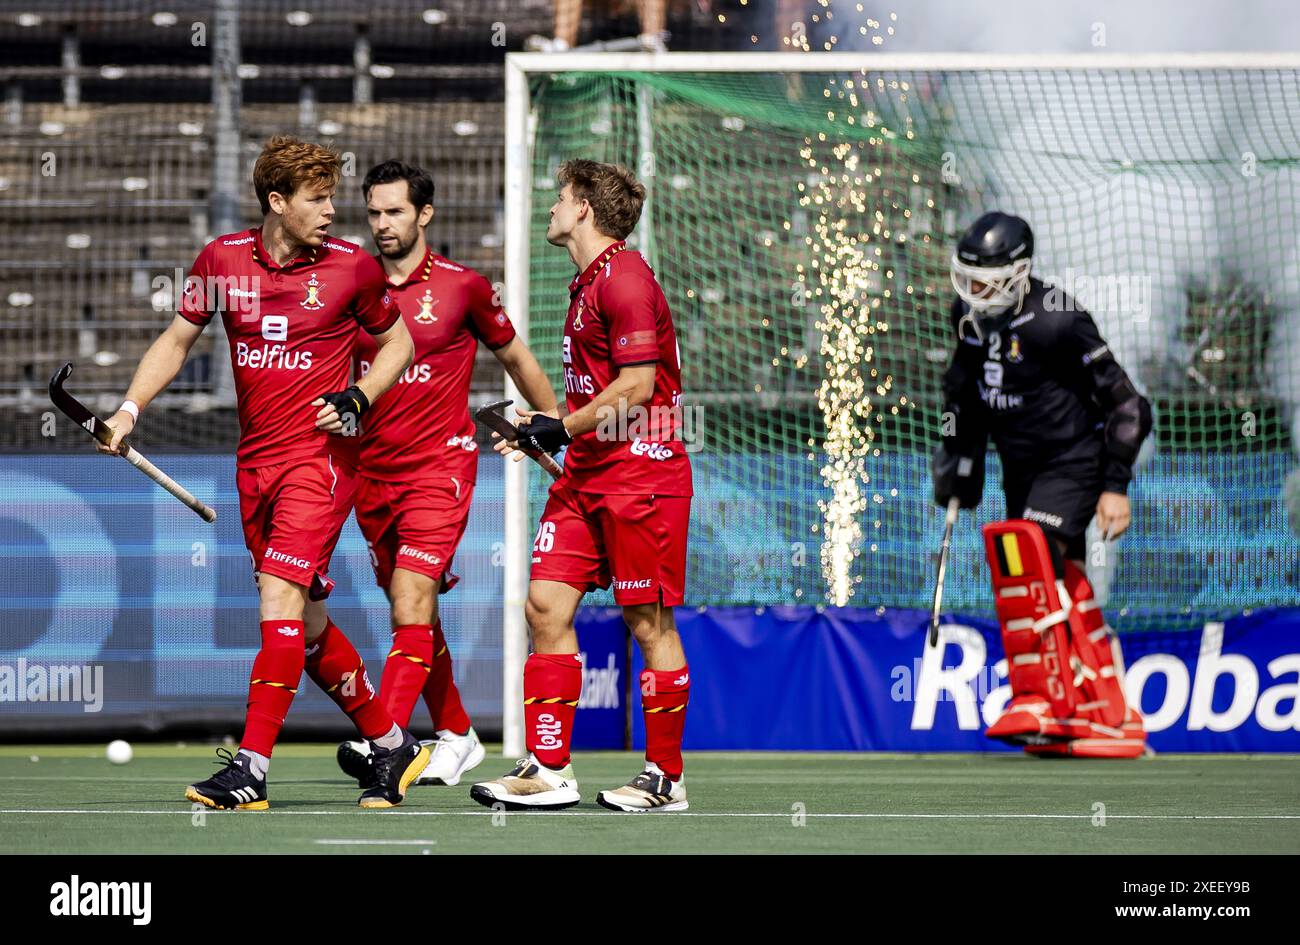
[961, 476]
[350, 404]
[543, 434]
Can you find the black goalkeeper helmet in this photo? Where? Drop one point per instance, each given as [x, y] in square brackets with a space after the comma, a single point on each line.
[996, 252]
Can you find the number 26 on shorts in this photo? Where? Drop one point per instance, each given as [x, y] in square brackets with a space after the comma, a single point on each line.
[545, 539]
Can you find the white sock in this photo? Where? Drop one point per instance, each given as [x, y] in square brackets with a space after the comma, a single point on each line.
[392, 740]
[257, 764]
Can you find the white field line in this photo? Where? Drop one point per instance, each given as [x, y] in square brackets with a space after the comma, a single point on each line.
[377, 843]
[186, 812]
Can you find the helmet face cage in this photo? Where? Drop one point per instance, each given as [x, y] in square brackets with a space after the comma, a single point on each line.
[1004, 286]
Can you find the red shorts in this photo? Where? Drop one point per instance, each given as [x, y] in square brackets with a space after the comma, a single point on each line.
[293, 513]
[415, 524]
[638, 542]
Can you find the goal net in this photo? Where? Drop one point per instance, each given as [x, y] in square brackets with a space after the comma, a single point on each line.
[801, 218]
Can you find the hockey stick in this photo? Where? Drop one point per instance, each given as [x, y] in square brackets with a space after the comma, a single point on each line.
[80, 414]
[954, 504]
[491, 418]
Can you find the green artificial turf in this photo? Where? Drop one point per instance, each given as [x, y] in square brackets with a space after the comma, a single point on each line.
[71, 800]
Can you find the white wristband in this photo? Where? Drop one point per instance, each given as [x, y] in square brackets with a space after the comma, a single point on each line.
[131, 407]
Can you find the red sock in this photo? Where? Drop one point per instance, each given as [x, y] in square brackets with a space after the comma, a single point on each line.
[440, 692]
[552, 684]
[664, 694]
[334, 664]
[406, 670]
[277, 670]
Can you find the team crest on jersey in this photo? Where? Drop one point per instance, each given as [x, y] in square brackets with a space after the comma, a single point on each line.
[425, 316]
[313, 302]
[577, 318]
[1013, 351]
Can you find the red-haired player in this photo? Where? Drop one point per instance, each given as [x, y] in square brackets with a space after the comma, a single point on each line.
[291, 299]
[620, 512]
[419, 458]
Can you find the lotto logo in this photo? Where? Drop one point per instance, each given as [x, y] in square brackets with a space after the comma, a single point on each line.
[655, 451]
[549, 730]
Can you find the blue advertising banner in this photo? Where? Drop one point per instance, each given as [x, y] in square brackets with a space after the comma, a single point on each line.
[121, 610]
[112, 584]
[786, 678]
[601, 719]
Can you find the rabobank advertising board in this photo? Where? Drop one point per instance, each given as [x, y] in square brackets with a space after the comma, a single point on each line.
[783, 678]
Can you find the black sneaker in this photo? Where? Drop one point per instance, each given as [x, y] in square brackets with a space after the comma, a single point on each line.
[394, 771]
[357, 761]
[234, 787]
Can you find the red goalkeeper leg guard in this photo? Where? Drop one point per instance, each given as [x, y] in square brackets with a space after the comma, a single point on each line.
[334, 664]
[552, 685]
[406, 670]
[1032, 607]
[1112, 728]
[277, 669]
[440, 692]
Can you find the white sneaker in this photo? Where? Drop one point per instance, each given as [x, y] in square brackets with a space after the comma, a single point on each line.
[451, 756]
[530, 785]
[650, 791]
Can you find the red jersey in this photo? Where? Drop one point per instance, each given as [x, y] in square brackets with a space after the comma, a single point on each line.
[618, 316]
[424, 421]
[291, 330]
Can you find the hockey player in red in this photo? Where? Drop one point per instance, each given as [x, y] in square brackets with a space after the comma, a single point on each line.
[620, 512]
[419, 458]
[291, 298]
[1031, 371]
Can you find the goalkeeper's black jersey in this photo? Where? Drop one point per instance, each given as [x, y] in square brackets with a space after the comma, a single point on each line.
[1040, 383]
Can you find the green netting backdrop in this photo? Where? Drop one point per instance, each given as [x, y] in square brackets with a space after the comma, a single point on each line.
[801, 225]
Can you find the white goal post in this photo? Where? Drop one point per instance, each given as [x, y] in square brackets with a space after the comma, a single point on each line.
[519, 136]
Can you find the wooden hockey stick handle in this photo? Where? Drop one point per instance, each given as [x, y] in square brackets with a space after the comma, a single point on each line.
[547, 462]
[134, 457]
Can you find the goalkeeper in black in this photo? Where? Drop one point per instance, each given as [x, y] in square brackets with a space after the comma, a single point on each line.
[1032, 373]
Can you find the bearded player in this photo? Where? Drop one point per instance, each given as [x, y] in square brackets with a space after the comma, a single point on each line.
[291, 299]
[621, 509]
[1032, 372]
[419, 458]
